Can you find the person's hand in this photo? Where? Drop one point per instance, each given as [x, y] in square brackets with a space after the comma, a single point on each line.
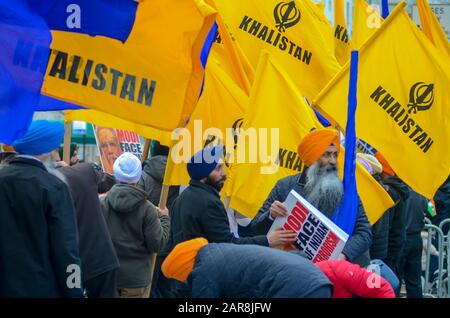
[61, 164]
[279, 237]
[342, 257]
[278, 209]
[162, 212]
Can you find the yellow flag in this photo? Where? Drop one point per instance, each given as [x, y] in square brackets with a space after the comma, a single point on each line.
[366, 20]
[153, 79]
[106, 120]
[277, 106]
[403, 99]
[432, 28]
[231, 59]
[290, 30]
[220, 108]
[341, 36]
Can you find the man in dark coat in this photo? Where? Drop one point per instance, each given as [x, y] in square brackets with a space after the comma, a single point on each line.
[199, 212]
[399, 192]
[320, 185]
[410, 264]
[137, 227]
[151, 182]
[99, 261]
[39, 254]
[153, 170]
[223, 270]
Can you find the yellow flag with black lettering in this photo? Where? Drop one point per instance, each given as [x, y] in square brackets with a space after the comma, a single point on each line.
[218, 115]
[290, 30]
[366, 20]
[277, 119]
[403, 99]
[99, 118]
[153, 79]
[432, 28]
[341, 36]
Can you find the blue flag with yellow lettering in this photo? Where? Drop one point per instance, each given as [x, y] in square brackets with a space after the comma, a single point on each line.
[22, 33]
[345, 217]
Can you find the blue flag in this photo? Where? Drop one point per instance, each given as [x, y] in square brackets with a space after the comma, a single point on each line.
[110, 18]
[345, 216]
[384, 9]
[25, 47]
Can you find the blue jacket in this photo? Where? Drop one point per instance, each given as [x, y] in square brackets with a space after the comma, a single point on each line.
[252, 271]
[357, 247]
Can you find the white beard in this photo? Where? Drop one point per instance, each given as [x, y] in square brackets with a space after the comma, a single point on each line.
[323, 188]
[51, 168]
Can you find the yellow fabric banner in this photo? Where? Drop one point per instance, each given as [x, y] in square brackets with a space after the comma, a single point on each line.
[290, 30]
[432, 28]
[153, 79]
[403, 99]
[279, 108]
[221, 107]
[341, 36]
[366, 20]
[98, 118]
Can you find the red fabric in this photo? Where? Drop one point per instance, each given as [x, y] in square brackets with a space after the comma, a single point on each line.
[351, 280]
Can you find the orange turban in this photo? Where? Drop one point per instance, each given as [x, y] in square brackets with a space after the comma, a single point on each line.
[180, 262]
[387, 169]
[314, 144]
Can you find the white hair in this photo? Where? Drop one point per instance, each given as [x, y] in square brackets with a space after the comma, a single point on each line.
[323, 188]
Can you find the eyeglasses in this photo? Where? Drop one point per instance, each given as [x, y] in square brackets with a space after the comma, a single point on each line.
[329, 155]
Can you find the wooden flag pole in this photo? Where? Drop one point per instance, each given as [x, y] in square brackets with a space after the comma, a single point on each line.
[67, 137]
[146, 149]
[162, 201]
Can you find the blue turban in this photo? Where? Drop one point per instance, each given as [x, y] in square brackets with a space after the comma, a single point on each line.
[42, 137]
[204, 162]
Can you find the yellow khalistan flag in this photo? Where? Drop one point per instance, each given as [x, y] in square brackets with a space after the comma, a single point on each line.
[366, 20]
[106, 120]
[290, 30]
[432, 28]
[277, 106]
[221, 106]
[341, 36]
[403, 99]
[153, 79]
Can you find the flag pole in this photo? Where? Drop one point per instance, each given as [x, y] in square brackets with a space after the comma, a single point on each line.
[67, 137]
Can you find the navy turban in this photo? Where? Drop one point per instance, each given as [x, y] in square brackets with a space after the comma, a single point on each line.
[42, 137]
[204, 162]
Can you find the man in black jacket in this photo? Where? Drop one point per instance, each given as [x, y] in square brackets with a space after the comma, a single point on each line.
[320, 185]
[399, 192]
[199, 212]
[99, 262]
[39, 254]
[410, 265]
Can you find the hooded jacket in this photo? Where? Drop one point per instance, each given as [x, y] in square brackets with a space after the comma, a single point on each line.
[152, 180]
[251, 271]
[136, 232]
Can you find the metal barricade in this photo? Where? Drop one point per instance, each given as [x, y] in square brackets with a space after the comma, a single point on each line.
[433, 230]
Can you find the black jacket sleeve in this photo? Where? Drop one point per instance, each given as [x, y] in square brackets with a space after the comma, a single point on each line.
[216, 224]
[261, 223]
[63, 241]
[361, 239]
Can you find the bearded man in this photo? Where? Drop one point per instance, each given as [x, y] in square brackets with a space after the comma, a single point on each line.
[199, 212]
[320, 185]
[39, 254]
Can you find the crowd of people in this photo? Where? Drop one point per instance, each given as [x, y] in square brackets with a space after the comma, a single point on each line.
[72, 230]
